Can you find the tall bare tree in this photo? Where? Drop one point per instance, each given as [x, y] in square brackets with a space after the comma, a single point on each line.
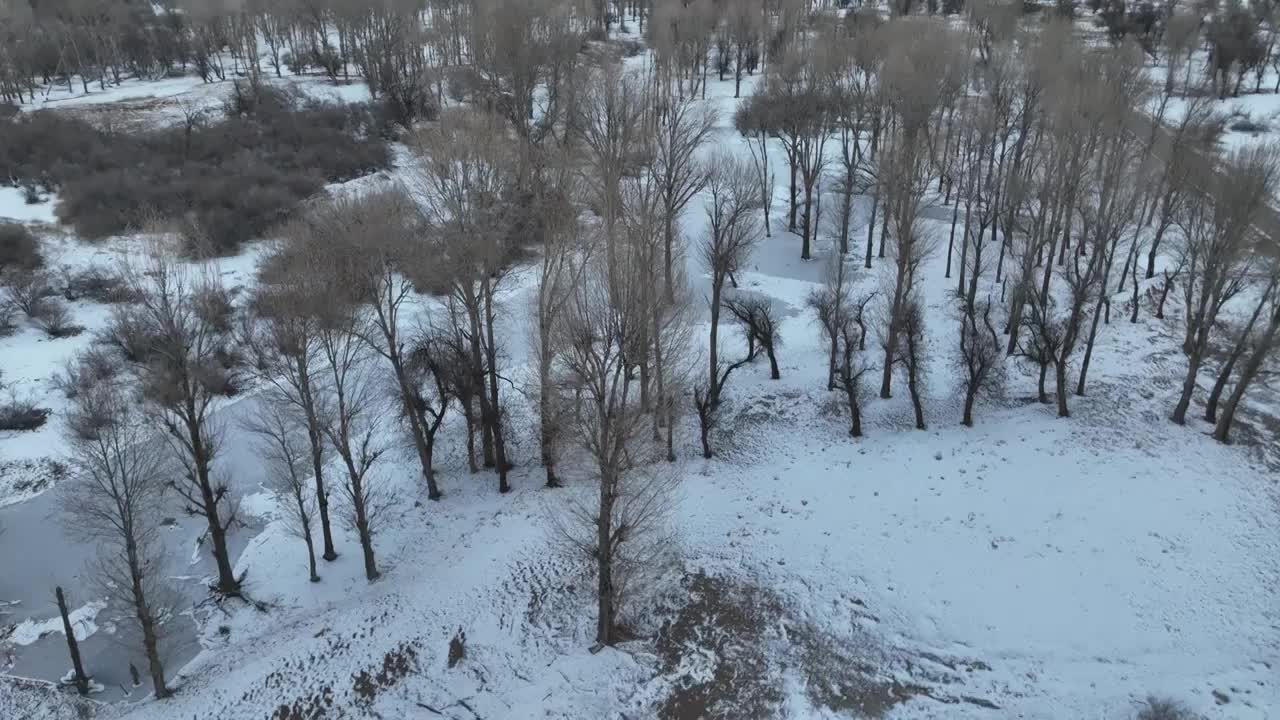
[284, 446]
[681, 131]
[183, 374]
[1218, 232]
[352, 426]
[465, 189]
[603, 325]
[282, 339]
[113, 502]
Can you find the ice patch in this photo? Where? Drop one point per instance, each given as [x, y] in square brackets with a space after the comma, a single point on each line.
[83, 625]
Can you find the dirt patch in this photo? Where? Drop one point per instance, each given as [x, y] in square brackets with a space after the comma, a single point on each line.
[396, 664]
[732, 649]
[716, 652]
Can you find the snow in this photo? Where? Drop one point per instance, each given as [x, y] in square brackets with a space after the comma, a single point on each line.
[14, 207]
[1084, 563]
[1046, 567]
[82, 624]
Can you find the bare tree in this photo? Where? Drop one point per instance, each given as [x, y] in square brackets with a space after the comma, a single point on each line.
[832, 305]
[611, 122]
[566, 247]
[913, 356]
[1218, 232]
[759, 320]
[1242, 342]
[380, 255]
[1265, 346]
[916, 86]
[852, 368]
[603, 325]
[464, 188]
[734, 231]
[351, 425]
[682, 129]
[753, 120]
[981, 359]
[800, 115]
[282, 337]
[183, 373]
[1043, 339]
[112, 502]
[284, 447]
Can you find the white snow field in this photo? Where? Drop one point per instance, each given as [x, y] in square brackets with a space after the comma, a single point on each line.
[1028, 567]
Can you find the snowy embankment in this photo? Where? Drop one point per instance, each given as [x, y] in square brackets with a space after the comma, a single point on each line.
[1028, 567]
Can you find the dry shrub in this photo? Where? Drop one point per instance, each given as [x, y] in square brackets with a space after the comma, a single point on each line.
[26, 289]
[51, 315]
[22, 414]
[1156, 708]
[19, 248]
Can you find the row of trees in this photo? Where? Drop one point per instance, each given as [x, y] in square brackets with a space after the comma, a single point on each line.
[1036, 138]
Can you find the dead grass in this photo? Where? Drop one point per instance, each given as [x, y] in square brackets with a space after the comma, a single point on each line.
[727, 653]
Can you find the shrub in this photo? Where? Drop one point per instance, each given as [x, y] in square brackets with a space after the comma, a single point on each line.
[461, 82]
[213, 306]
[51, 315]
[286, 147]
[18, 247]
[97, 284]
[1165, 709]
[1248, 125]
[90, 369]
[22, 415]
[129, 332]
[26, 289]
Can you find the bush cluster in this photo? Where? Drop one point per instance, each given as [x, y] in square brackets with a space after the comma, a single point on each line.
[22, 415]
[224, 182]
[19, 249]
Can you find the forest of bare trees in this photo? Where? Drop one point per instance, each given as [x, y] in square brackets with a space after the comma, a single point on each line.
[1008, 148]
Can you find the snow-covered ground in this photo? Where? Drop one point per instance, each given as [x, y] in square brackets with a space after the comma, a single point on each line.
[1029, 567]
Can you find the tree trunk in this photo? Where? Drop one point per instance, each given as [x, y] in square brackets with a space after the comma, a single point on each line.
[1222, 430]
[916, 404]
[1211, 408]
[146, 621]
[871, 226]
[855, 418]
[81, 680]
[1188, 386]
[495, 418]
[713, 342]
[416, 425]
[317, 466]
[807, 236]
[227, 583]
[1060, 375]
[546, 439]
[311, 553]
[366, 535]
[1088, 346]
[604, 563]
[793, 194]
[884, 230]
